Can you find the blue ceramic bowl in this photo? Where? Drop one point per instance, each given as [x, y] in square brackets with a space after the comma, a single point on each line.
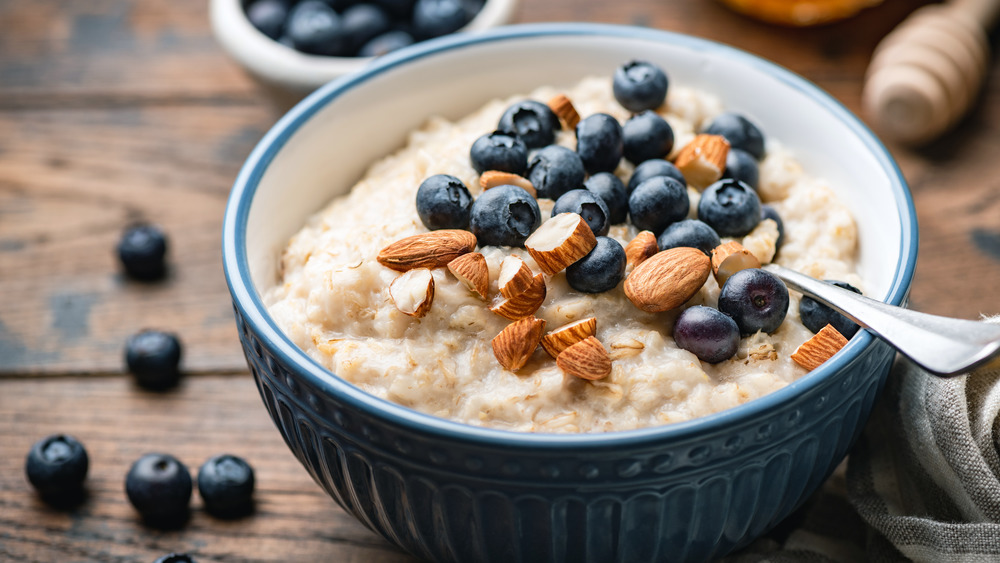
[450, 492]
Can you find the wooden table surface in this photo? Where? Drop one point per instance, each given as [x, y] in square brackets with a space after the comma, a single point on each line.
[113, 111]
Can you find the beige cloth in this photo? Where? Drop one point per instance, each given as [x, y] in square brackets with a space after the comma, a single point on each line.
[922, 483]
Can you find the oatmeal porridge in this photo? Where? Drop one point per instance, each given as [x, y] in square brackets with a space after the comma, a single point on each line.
[336, 300]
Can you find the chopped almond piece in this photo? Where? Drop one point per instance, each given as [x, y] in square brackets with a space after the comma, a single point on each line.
[820, 348]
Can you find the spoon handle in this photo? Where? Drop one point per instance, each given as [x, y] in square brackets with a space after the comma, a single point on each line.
[941, 345]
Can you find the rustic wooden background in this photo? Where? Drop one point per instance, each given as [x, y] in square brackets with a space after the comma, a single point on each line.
[113, 111]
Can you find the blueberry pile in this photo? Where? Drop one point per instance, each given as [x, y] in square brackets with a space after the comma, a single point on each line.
[349, 28]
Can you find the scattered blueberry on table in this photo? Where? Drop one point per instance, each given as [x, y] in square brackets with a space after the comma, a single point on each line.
[142, 250]
[159, 487]
[153, 358]
[56, 466]
[347, 28]
[226, 483]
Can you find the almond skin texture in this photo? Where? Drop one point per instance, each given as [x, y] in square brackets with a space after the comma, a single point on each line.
[560, 241]
[703, 160]
[516, 343]
[641, 247]
[471, 269]
[413, 292]
[523, 304]
[563, 107]
[729, 258]
[567, 335]
[820, 348]
[587, 359]
[515, 276]
[427, 250]
[667, 279]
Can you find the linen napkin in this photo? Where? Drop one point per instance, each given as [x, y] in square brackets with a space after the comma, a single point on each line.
[921, 484]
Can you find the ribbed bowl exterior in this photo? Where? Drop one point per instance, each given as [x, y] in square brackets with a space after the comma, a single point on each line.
[688, 499]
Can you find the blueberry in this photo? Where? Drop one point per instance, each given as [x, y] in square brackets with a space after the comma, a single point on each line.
[398, 9]
[769, 212]
[499, 151]
[755, 299]
[504, 216]
[639, 85]
[611, 189]
[599, 143]
[646, 136]
[268, 16]
[707, 333]
[555, 170]
[588, 205]
[443, 202]
[386, 43]
[691, 233]
[175, 558]
[57, 466]
[742, 166]
[600, 270]
[730, 207]
[816, 315]
[652, 168]
[153, 357]
[533, 122]
[361, 23]
[159, 487]
[142, 251]
[741, 133]
[433, 18]
[313, 27]
[658, 202]
[225, 483]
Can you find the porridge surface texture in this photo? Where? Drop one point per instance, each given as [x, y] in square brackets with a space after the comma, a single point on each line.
[333, 300]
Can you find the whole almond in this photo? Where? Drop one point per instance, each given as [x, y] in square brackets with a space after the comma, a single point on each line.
[516, 343]
[567, 335]
[427, 250]
[471, 270]
[523, 304]
[729, 258]
[515, 276]
[667, 279]
[820, 348]
[641, 247]
[560, 241]
[413, 291]
[587, 359]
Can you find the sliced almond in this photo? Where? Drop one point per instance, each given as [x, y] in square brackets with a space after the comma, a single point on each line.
[515, 276]
[563, 107]
[729, 258]
[523, 304]
[567, 335]
[820, 348]
[667, 279]
[560, 241]
[703, 160]
[428, 250]
[587, 359]
[413, 292]
[471, 269]
[494, 178]
[516, 343]
[641, 247]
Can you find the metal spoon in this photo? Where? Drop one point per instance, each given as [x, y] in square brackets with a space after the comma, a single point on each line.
[941, 345]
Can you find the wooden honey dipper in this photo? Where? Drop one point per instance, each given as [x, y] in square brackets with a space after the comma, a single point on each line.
[925, 74]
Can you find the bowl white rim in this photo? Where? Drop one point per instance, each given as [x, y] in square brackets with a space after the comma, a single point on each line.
[253, 311]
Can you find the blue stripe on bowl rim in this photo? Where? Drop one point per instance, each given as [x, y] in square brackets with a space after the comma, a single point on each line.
[252, 308]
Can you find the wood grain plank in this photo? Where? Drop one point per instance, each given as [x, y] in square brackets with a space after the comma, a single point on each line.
[294, 519]
[70, 182]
